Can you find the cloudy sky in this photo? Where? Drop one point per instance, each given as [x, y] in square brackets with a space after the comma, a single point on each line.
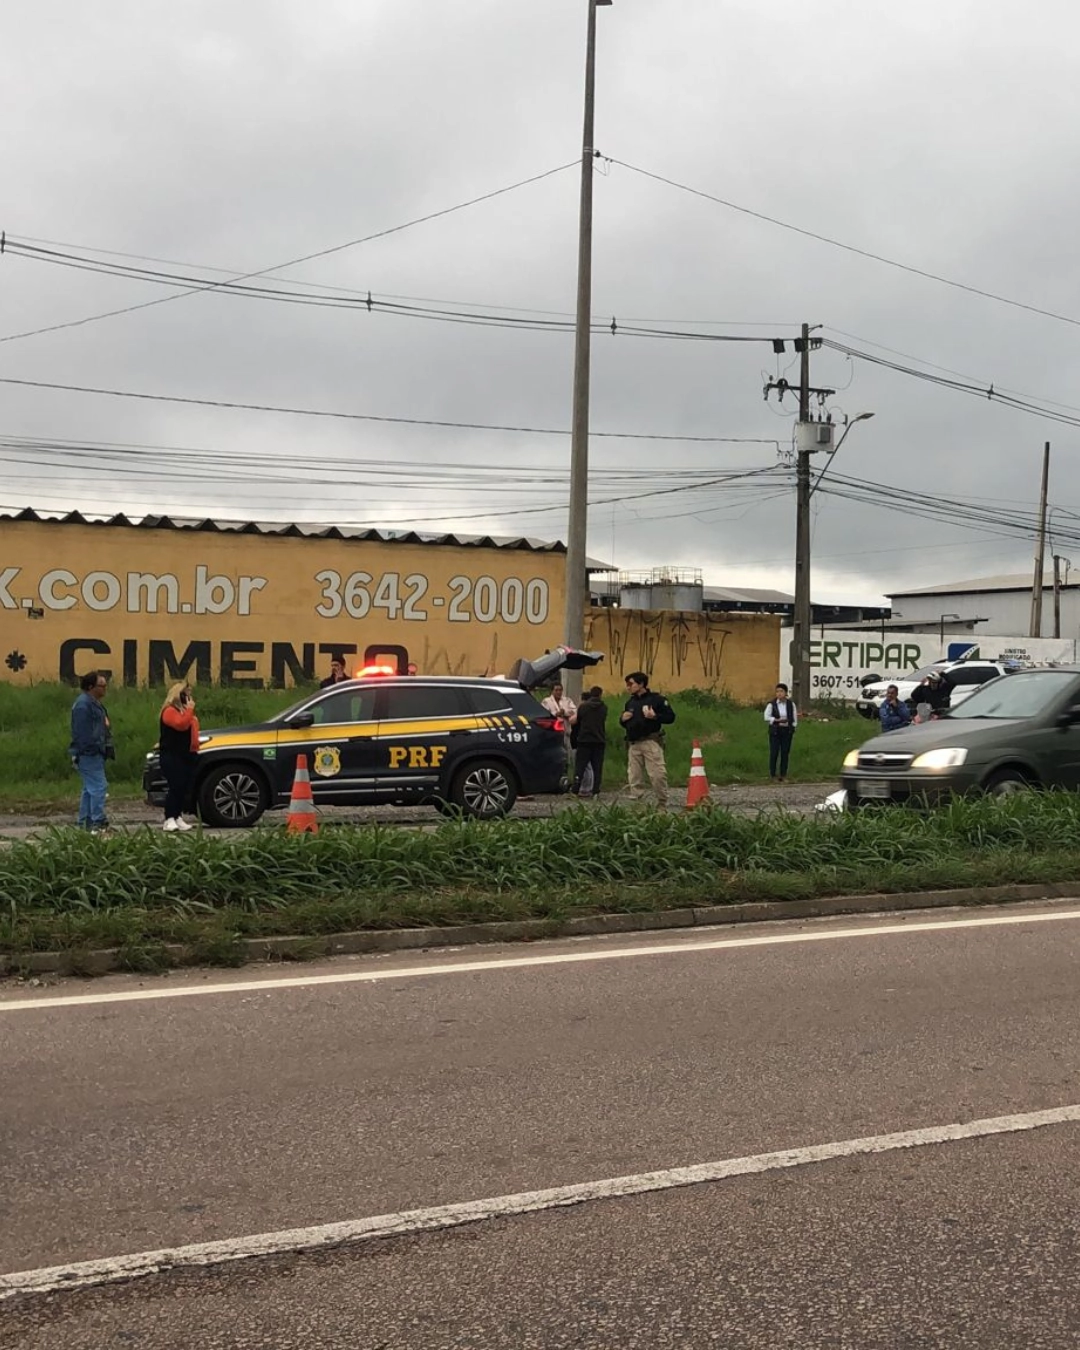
[241, 136]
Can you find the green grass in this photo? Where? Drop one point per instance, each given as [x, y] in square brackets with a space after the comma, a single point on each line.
[35, 731]
[140, 890]
[36, 773]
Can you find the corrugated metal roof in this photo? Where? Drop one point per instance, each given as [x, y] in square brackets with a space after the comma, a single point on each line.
[299, 530]
[1015, 581]
[754, 597]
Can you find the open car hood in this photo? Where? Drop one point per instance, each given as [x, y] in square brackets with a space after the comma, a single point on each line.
[529, 674]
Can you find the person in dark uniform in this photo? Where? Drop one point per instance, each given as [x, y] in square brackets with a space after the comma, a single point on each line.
[590, 738]
[337, 673]
[930, 696]
[643, 720]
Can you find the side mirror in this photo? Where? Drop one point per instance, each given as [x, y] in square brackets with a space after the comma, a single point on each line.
[301, 719]
[1070, 717]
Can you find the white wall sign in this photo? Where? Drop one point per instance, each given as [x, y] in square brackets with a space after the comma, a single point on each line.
[841, 660]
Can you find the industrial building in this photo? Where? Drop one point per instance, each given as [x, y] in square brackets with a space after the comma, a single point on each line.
[998, 604]
[682, 588]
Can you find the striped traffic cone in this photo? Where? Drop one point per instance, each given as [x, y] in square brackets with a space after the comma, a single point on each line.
[301, 816]
[697, 789]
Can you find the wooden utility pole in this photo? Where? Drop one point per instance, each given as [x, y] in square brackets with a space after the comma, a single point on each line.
[577, 581]
[1057, 595]
[809, 438]
[800, 633]
[1035, 629]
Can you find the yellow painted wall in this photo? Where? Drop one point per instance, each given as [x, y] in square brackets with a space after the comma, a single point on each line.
[733, 654]
[152, 605]
[74, 597]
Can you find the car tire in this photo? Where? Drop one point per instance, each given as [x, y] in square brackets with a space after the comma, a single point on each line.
[1007, 783]
[483, 789]
[232, 797]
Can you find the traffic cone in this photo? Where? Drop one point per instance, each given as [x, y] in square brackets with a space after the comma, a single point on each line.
[697, 788]
[301, 815]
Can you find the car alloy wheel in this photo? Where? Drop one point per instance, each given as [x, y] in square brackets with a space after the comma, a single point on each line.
[485, 791]
[237, 797]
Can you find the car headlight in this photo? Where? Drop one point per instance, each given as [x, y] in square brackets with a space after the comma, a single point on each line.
[851, 759]
[950, 758]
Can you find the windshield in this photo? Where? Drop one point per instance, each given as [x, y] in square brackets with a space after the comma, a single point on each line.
[1025, 694]
[296, 707]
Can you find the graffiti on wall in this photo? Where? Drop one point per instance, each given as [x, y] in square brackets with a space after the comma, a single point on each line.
[734, 653]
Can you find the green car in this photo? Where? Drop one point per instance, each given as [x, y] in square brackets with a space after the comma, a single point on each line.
[1017, 732]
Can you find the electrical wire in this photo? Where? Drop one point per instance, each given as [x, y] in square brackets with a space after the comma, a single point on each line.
[372, 417]
[848, 248]
[369, 303]
[307, 257]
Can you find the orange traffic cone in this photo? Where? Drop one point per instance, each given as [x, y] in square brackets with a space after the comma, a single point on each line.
[697, 789]
[301, 815]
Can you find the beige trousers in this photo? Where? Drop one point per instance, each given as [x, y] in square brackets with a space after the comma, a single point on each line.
[647, 757]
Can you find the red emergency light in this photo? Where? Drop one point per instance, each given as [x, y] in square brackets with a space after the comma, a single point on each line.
[368, 672]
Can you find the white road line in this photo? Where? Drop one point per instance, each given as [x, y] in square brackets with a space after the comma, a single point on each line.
[684, 948]
[116, 1269]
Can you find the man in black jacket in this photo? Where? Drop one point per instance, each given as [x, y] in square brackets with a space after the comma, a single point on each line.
[590, 738]
[931, 696]
[643, 720]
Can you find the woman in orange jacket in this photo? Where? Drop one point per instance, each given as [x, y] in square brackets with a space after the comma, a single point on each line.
[178, 744]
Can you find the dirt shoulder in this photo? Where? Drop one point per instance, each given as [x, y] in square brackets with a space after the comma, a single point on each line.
[748, 798]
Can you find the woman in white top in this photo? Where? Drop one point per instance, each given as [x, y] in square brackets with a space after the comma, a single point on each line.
[558, 705]
[782, 718]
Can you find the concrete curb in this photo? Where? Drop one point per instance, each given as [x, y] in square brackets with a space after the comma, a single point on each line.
[273, 949]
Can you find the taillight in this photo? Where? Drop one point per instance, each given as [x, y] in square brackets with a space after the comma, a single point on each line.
[550, 724]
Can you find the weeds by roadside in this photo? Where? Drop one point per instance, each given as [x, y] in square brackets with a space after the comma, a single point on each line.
[141, 890]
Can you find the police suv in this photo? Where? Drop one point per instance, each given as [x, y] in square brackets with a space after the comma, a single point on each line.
[470, 745]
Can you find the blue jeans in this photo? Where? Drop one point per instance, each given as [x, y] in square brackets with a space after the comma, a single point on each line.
[92, 804]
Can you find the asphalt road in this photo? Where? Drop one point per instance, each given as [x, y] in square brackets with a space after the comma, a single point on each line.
[134, 1125]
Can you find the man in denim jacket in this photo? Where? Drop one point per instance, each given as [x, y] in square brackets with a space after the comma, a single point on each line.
[91, 745]
[894, 712]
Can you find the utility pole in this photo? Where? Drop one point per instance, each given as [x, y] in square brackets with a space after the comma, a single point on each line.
[577, 581]
[807, 441]
[800, 665]
[1035, 629]
[1057, 595]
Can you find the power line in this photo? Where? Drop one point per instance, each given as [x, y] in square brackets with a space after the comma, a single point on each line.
[307, 257]
[848, 248]
[363, 291]
[371, 417]
[370, 303]
[991, 392]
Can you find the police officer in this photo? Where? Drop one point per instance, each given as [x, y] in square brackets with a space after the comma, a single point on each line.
[338, 673]
[643, 720]
[931, 696]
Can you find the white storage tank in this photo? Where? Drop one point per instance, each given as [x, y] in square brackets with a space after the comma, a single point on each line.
[678, 588]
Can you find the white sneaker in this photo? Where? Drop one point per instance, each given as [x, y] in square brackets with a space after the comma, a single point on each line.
[182, 824]
[170, 825]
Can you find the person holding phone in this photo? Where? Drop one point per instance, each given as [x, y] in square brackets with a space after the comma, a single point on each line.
[782, 717]
[178, 744]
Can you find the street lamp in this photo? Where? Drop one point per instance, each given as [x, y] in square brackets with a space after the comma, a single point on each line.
[577, 585]
[862, 417]
[941, 629]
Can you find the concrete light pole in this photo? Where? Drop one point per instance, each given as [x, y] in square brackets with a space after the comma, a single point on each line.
[577, 585]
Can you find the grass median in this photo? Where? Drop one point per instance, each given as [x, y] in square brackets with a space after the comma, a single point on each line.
[141, 890]
[36, 774]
